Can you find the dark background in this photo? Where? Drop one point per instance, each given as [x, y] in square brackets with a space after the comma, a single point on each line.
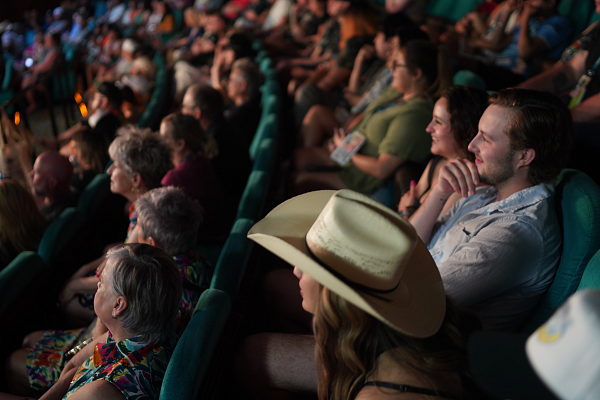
[12, 10]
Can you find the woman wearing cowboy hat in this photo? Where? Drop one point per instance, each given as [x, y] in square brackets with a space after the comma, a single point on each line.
[382, 323]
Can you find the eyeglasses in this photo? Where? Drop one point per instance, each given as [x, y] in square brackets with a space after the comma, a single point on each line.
[396, 64]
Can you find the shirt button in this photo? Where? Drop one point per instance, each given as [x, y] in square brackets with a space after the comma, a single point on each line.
[440, 246]
[461, 223]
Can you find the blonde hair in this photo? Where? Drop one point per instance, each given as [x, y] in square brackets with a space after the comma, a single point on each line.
[21, 223]
[349, 341]
[143, 66]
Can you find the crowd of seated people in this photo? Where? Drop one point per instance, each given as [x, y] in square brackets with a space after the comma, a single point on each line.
[389, 293]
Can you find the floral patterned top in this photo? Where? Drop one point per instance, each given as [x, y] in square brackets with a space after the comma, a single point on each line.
[134, 367]
[132, 221]
[193, 268]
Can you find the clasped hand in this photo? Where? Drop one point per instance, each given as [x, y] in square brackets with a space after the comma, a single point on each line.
[460, 176]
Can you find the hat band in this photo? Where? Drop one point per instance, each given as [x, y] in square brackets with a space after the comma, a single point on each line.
[354, 285]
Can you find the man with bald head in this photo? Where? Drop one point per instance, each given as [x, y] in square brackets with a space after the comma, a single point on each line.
[50, 179]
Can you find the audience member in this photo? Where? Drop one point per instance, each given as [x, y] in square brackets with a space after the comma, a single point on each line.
[140, 161]
[193, 172]
[49, 59]
[243, 90]
[497, 249]
[50, 179]
[21, 223]
[139, 293]
[381, 319]
[232, 162]
[358, 26]
[540, 33]
[577, 61]
[90, 155]
[393, 125]
[167, 219]
[320, 121]
[455, 123]
[105, 116]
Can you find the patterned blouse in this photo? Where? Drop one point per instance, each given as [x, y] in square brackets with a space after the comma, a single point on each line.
[193, 268]
[134, 367]
[132, 221]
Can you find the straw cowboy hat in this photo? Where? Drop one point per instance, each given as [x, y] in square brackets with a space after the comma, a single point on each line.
[362, 251]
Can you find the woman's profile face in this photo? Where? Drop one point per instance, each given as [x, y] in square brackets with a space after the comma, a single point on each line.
[310, 290]
[442, 137]
[120, 181]
[402, 75]
[105, 297]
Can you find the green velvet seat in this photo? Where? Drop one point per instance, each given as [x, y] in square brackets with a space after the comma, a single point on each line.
[59, 233]
[265, 64]
[591, 276]
[94, 194]
[6, 91]
[267, 128]
[578, 207]
[577, 12]
[254, 196]
[234, 259]
[17, 276]
[193, 353]
[265, 158]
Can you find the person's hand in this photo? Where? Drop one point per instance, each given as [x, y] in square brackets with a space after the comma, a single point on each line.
[66, 294]
[409, 201]
[250, 15]
[365, 53]
[338, 136]
[458, 176]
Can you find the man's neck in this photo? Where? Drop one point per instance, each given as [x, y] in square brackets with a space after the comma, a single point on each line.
[241, 99]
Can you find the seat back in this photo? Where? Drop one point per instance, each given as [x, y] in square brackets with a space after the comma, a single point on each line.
[233, 261]
[577, 12]
[17, 276]
[265, 159]
[254, 196]
[195, 348]
[591, 276]
[94, 194]
[59, 233]
[267, 128]
[578, 207]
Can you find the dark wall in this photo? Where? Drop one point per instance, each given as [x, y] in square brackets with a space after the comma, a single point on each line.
[13, 9]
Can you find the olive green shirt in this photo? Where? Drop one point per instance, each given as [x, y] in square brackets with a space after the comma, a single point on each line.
[391, 127]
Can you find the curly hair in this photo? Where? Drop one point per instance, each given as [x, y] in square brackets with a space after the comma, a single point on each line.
[349, 341]
[541, 122]
[142, 151]
[466, 104]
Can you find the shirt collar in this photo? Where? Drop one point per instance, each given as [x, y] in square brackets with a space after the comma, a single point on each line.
[519, 200]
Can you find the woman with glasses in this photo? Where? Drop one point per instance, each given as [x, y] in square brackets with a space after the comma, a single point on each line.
[394, 126]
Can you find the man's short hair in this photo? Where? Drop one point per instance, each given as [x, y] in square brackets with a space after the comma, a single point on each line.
[208, 100]
[250, 73]
[541, 122]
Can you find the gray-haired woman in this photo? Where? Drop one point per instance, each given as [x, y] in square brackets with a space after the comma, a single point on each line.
[133, 355]
[140, 160]
[169, 219]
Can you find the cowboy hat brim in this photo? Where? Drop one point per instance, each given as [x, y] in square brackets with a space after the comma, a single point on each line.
[416, 308]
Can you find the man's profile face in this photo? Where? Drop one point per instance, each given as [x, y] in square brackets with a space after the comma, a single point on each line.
[39, 178]
[494, 157]
[187, 105]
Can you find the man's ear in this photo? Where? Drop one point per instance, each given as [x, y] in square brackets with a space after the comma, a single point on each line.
[526, 158]
[104, 102]
[197, 113]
